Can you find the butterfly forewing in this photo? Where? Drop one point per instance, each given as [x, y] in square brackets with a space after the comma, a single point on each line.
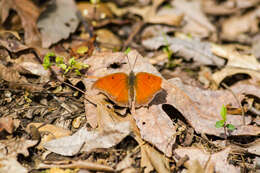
[146, 87]
[115, 86]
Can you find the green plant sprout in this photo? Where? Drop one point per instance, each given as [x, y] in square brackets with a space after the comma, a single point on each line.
[166, 49]
[71, 66]
[223, 122]
[127, 50]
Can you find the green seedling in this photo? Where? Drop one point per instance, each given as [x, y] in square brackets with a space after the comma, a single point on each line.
[127, 50]
[166, 49]
[71, 66]
[47, 60]
[223, 122]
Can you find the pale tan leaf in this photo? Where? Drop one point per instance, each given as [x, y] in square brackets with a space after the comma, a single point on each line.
[85, 140]
[152, 159]
[58, 24]
[11, 165]
[219, 159]
[189, 49]
[201, 108]
[156, 128]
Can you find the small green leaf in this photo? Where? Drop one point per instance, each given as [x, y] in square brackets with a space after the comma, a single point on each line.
[59, 60]
[62, 66]
[46, 60]
[223, 113]
[72, 61]
[219, 124]
[230, 126]
[127, 50]
[67, 70]
[77, 72]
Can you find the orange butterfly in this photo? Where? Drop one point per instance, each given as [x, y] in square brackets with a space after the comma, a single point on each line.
[125, 89]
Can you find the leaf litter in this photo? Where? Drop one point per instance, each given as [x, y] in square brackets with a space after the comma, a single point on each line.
[187, 39]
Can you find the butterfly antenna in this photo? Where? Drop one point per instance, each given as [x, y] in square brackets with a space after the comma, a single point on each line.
[129, 62]
[135, 60]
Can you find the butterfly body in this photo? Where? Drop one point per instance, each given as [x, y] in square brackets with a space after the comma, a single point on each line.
[124, 89]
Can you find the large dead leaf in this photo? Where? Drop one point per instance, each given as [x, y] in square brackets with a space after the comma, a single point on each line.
[238, 63]
[201, 107]
[226, 7]
[150, 14]
[57, 22]
[50, 132]
[13, 147]
[153, 160]
[6, 123]
[156, 128]
[200, 52]
[28, 13]
[217, 160]
[8, 41]
[85, 140]
[236, 27]
[9, 149]
[196, 21]
[11, 165]
[252, 147]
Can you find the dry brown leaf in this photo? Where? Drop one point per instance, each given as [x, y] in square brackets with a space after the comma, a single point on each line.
[51, 132]
[11, 165]
[253, 147]
[6, 123]
[153, 160]
[58, 22]
[127, 162]
[9, 149]
[195, 167]
[29, 14]
[196, 21]
[214, 8]
[238, 27]
[219, 76]
[85, 140]
[8, 41]
[235, 58]
[237, 63]
[11, 75]
[156, 30]
[108, 40]
[95, 12]
[162, 16]
[226, 7]
[156, 128]
[12, 70]
[13, 147]
[201, 108]
[200, 52]
[206, 160]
